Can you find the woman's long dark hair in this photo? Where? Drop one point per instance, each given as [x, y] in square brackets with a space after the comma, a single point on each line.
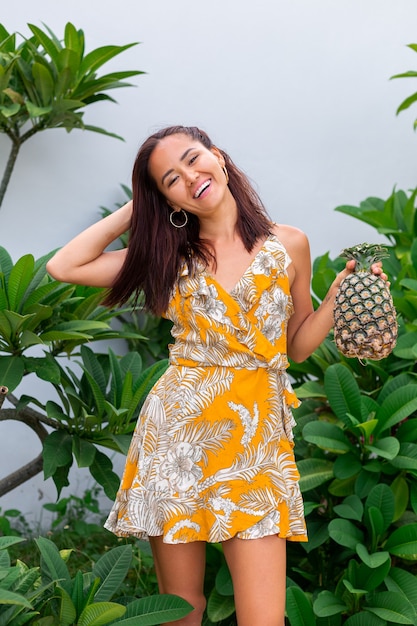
[156, 249]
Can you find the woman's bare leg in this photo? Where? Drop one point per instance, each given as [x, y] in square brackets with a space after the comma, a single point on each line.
[180, 571]
[258, 570]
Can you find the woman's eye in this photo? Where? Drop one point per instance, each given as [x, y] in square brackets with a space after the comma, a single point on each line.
[172, 181]
[193, 158]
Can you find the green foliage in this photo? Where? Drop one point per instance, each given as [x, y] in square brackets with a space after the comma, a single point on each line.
[96, 408]
[356, 446]
[47, 83]
[49, 595]
[405, 104]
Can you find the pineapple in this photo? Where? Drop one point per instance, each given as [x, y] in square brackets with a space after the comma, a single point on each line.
[365, 323]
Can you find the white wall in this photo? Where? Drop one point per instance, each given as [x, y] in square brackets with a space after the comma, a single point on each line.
[298, 92]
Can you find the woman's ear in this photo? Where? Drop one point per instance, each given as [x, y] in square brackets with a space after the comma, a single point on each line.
[219, 155]
[174, 206]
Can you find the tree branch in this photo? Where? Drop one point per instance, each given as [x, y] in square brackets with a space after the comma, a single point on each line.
[27, 415]
[20, 476]
[9, 165]
[30, 418]
[3, 392]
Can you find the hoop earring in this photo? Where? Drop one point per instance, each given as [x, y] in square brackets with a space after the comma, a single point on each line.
[226, 173]
[171, 218]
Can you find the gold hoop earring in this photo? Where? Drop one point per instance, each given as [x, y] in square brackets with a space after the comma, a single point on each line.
[171, 218]
[226, 173]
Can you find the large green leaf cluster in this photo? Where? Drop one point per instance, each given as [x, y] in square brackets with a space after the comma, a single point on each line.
[48, 595]
[48, 82]
[95, 398]
[356, 449]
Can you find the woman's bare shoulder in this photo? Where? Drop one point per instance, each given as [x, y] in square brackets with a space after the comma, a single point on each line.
[294, 239]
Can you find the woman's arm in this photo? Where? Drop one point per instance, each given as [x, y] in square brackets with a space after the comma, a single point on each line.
[307, 328]
[83, 260]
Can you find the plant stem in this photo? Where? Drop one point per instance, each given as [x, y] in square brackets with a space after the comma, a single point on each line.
[16, 143]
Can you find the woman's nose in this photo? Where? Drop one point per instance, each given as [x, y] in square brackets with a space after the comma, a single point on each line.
[191, 177]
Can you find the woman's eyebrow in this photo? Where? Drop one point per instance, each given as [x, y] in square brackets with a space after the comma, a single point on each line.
[182, 157]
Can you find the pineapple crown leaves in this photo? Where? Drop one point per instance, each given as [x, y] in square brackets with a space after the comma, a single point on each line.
[365, 254]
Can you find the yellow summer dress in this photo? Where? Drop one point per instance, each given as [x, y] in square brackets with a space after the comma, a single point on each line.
[212, 454]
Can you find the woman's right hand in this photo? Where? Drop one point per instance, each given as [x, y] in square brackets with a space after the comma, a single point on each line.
[85, 261]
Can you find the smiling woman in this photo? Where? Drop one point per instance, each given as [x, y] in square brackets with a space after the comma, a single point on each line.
[211, 458]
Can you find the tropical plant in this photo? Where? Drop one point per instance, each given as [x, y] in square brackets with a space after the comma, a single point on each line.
[99, 406]
[48, 595]
[405, 104]
[47, 83]
[356, 447]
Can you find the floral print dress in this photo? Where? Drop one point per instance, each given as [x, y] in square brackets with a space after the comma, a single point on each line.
[212, 454]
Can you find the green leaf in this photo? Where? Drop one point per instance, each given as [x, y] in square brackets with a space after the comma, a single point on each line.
[101, 613]
[44, 83]
[371, 560]
[9, 111]
[60, 477]
[314, 472]
[403, 582]
[318, 534]
[67, 612]
[342, 392]
[37, 111]
[350, 508]
[50, 45]
[346, 466]
[92, 365]
[52, 564]
[406, 459]
[387, 447]
[345, 533]
[371, 578]
[84, 451]
[10, 597]
[112, 569]
[401, 492]
[6, 262]
[96, 58]
[381, 498]
[223, 582]
[11, 371]
[327, 436]
[99, 398]
[327, 604]
[311, 389]
[405, 104]
[45, 368]
[403, 542]
[363, 618]
[154, 610]
[298, 608]
[6, 542]
[375, 524]
[57, 452]
[102, 470]
[219, 607]
[19, 280]
[392, 607]
[74, 39]
[365, 482]
[397, 406]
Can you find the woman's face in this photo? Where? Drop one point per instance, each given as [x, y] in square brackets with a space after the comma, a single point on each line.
[188, 174]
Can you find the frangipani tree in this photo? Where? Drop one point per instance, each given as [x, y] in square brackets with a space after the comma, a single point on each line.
[47, 83]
